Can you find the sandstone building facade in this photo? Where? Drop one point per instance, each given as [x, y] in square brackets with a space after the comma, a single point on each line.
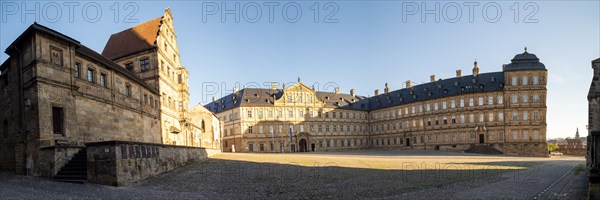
[505, 110]
[57, 96]
[593, 139]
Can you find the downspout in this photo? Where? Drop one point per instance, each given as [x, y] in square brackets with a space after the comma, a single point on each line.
[22, 110]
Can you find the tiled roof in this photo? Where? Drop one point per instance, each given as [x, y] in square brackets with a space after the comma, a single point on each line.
[264, 97]
[525, 61]
[134, 40]
[487, 82]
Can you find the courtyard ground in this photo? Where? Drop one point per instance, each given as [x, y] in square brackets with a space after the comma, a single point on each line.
[365, 174]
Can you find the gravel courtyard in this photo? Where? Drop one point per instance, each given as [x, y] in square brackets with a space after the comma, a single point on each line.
[368, 174]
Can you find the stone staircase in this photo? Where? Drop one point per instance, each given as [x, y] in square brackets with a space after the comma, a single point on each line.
[75, 171]
[483, 149]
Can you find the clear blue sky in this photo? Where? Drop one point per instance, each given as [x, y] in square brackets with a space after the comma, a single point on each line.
[370, 44]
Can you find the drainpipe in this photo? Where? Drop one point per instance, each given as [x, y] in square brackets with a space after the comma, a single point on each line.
[22, 110]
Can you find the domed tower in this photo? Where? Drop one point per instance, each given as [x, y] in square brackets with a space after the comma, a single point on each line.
[525, 105]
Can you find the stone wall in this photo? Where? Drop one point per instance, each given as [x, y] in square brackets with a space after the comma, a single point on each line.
[119, 163]
[526, 149]
[574, 152]
[52, 159]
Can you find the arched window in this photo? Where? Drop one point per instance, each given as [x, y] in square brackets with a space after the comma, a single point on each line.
[203, 126]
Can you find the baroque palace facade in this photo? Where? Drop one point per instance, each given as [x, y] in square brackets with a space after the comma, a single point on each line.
[503, 110]
[57, 96]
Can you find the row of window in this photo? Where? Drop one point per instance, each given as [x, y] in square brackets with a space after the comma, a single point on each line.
[535, 80]
[172, 103]
[327, 143]
[437, 106]
[102, 80]
[301, 114]
[144, 65]
[439, 138]
[454, 119]
[328, 128]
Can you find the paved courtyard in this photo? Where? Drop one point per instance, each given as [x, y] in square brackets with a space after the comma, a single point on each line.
[368, 174]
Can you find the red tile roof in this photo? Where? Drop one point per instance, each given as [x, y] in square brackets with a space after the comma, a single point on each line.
[134, 40]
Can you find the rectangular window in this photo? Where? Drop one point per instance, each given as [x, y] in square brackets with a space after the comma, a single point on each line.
[515, 135]
[129, 66]
[525, 135]
[462, 103]
[515, 116]
[471, 118]
[58, 120]
[291, 113]
[435, 106]
[536, 134]
[145, 64]
[515, 98]
[535, 116]
[103, 80]
[453, 104]
[490, 100]
[179, 79]
[128, 90]
[77, 70]
[525, 98]
[444, 105]
[491, 117]
[90, 75]
[249, 114]
[536, 98]
[525, 115]
[249, 129]
[514, 81]
[525, 80]
[500, 100]
[481, 119]
[462, 119]
[536, 80]
[480, 101]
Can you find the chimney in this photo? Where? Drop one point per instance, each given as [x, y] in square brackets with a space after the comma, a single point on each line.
[408, 84]
[376, 92]
[337, 90]
[475, 69]
[386, 89]
[352, 92]
[274, 86]
[432, 78]
[458, 73]
[214, 99]
[235, 89]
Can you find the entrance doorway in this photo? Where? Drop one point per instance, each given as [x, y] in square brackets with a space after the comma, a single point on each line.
[407, 142]
[303, 145]
[312, 147]
[481, 139]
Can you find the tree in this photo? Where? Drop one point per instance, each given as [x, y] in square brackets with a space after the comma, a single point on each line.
[552, 147]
